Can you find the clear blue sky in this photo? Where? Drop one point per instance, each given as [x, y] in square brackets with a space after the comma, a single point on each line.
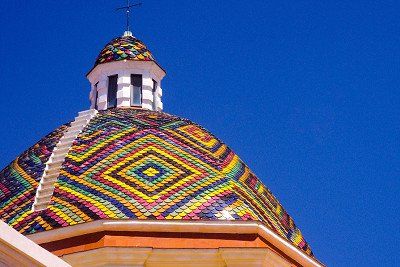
[306, 92]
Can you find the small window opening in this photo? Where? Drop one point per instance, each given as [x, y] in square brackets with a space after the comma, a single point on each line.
[154, 94]
[112, 91]
[96, 95]
[136, 90]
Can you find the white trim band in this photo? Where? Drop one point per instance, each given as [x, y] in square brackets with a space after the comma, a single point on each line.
[17, 250]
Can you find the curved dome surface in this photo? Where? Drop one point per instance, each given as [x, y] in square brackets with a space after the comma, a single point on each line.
[139, 164]
[124, 48]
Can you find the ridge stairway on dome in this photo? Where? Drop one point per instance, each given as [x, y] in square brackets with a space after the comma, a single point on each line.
[53, 165]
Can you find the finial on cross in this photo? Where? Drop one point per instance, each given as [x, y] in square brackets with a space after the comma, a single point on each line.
[127, 9]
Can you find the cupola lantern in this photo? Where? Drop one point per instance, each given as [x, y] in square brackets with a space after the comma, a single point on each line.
[126, 74]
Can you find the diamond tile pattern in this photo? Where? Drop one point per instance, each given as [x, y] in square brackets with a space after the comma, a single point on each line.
[137, 164]
[124, 48]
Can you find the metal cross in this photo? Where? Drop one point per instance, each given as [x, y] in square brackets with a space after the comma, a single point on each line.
[128, 10]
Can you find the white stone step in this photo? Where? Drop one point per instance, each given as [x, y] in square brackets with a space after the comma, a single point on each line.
[89, 111]
[84, 117]
[40, 207]
[52, 176]
[69, 137]
[47, 190]
[67, 140]
[76, 129]
[55, 165]
[74, 132]
[52, 171]
[80, 122]
[55, 161]
[60, 156]
[49, 182]
[43, 195]
[62, 149]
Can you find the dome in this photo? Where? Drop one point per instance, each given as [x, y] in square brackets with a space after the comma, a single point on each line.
[126, 47]
[139, 164]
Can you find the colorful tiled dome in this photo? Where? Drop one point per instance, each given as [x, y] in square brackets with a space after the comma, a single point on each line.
[124, 48]
[145, 165]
